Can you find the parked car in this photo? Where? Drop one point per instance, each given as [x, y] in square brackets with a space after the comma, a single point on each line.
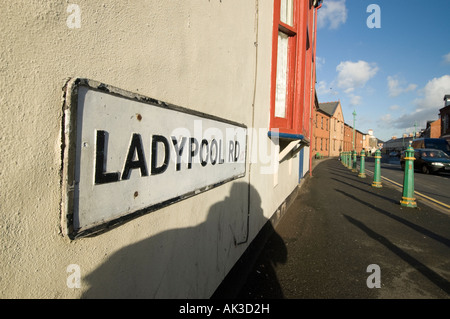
[429, 160]
[434, 143]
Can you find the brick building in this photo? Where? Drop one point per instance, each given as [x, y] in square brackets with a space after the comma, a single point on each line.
[336, 126]
[321, 139]
[444, 114]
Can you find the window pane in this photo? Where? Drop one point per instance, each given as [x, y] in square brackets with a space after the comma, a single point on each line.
[287, 11]
[281, 87]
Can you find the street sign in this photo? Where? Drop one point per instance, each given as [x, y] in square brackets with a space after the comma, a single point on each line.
[126, 155]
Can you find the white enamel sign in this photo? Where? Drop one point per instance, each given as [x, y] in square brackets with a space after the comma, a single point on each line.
[126, 155]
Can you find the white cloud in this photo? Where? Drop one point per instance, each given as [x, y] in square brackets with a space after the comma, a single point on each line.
[419, 117]
[332, 14]
[386, 120]
[322, 87]
[433, 94]
[426, 108]
[394, 107]
[395, 89]
[446, 57]
[355, 100]
[319, 62]
[352, 75]
[324, 90]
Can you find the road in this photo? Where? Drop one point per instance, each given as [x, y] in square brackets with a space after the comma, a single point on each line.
[433, 189]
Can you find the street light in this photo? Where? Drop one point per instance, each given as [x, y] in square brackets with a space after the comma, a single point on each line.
[415, 125]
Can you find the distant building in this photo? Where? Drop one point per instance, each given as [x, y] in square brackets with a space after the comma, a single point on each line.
[321, 139]
[372, 143]
[359, 141]
[433, 129]
[336, 127]
[444, 115]
[398, 144]
[348, 137]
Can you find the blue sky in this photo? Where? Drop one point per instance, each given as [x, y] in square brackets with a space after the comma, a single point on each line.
[394, 76]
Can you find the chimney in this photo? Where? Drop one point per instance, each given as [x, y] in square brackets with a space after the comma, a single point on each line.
[446, 100]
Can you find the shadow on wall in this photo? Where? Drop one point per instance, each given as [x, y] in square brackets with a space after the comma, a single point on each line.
[181, 263]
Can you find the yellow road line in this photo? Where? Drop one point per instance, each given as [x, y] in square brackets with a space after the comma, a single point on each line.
[416, 192]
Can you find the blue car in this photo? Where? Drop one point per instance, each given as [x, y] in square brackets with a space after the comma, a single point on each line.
[429, 161]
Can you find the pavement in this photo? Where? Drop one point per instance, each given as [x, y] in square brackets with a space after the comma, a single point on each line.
[341, 238]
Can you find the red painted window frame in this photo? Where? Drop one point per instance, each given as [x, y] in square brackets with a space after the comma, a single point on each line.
[300, 67]
[287, 124]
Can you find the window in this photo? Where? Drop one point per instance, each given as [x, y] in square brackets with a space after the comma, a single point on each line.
[285, 44]
[292, 66]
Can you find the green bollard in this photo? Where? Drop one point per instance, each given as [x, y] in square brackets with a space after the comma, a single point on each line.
[408, 199]
[376, 174]
[354, 161]
[350, 162]
[362, 173]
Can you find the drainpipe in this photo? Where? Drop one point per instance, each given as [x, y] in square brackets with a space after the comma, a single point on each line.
[311, 127]
[244, 241]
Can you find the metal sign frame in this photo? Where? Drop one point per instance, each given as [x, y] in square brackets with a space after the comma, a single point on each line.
[73, 163]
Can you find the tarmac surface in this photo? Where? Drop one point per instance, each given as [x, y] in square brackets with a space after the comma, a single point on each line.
[341, 237]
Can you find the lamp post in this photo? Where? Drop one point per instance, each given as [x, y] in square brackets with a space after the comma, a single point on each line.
[415, 125]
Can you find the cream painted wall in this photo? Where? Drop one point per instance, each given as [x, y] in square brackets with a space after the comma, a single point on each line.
[199, 54]
[337, 131]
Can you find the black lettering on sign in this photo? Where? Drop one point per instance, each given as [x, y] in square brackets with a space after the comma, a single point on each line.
[230, 151]
[161, 169]
[192, 150]
[221, 160]
[237, 149]
[135, 148]
[204, 144]
[100, 176]
[216, 152]
[178, 150]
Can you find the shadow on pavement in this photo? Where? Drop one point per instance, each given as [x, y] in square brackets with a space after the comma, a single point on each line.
[405, 222]
[423, 269]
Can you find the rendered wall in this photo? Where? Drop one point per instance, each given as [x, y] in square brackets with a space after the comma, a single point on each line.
[196, 54]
